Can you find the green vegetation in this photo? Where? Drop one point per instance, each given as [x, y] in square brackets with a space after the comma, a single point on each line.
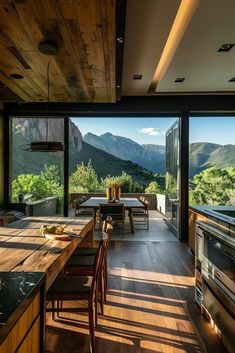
[126, 181]
[154, 188]
[84, 179]
[213, 186]
[106, 165]
[43, 185]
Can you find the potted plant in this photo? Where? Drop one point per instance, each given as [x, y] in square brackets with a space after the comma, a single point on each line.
[117, 188]
[113, 187]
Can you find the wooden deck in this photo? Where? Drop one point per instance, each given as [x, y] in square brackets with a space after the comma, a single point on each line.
[150, 306]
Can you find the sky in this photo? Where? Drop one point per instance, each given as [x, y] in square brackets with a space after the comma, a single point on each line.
[219, 130]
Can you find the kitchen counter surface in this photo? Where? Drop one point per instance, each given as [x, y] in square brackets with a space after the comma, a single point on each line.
[17, 289]
[210, 212]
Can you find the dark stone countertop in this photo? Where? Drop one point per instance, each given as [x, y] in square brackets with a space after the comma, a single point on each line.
[17, 290]
[210, 211]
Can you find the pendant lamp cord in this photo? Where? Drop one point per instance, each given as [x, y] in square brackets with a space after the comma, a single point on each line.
[48, 98]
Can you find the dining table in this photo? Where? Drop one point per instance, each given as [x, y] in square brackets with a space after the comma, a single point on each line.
[129, 204]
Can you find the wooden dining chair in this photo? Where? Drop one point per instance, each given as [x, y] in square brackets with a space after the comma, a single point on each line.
[75, 288]
[83, 263]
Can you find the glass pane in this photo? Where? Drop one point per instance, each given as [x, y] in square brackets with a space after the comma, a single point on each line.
[126, 152]
[36, 177]
[212, 161]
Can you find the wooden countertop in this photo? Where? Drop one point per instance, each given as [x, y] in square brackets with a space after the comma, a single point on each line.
[24, 249]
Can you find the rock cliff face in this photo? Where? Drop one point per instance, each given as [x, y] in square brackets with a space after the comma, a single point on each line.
[41, 129]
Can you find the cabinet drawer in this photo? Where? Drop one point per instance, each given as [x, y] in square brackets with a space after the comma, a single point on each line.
[22, 326]
[31, 342]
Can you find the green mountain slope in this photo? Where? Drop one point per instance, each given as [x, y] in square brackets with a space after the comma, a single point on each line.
[149, 156]
[106, 164]
[205, 155]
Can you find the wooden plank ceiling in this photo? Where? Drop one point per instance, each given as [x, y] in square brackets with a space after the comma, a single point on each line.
[83, 70]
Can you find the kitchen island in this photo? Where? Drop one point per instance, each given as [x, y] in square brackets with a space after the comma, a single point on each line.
[21, 312]
[29, 263]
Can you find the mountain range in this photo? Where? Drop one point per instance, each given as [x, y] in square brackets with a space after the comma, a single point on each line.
[202, 155]
[110, 154]
[148, 156]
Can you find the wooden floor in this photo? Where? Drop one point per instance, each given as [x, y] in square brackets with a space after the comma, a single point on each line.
[150, 306]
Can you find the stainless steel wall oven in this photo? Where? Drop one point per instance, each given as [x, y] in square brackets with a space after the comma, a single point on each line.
[215, 278]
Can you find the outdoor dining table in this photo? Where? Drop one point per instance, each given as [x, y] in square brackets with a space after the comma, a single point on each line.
[129, 204]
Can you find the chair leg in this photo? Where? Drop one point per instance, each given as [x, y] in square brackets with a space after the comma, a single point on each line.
[96, 309]
[105, 278]
[53, 308]
[101, 292]
[91, 328]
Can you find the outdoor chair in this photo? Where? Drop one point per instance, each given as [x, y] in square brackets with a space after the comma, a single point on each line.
[80, 211]
[140, 216]
[115, 211]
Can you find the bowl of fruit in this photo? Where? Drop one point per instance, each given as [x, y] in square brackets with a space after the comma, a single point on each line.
[54, 232]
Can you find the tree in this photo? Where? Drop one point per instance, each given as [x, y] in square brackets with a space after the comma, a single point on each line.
[126, 181]
[46, 184]
[52, 181]
[214, 186]
[154, 188]
[84, 179]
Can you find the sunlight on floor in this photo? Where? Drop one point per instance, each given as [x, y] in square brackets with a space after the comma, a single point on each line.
[148, 323]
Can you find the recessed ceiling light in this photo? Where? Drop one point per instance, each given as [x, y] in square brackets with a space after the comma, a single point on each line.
[48, 48]
[17, 76]
[137, 77]
[179, 79]
[119, 40]
[232, 79]
[226, 47]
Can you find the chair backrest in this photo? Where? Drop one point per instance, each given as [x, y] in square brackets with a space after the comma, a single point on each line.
[146, 204]
[107, 225]
[116, 211]
[100, 256]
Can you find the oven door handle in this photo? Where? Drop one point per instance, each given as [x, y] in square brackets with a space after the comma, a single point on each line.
[229, 255]
[219, 274]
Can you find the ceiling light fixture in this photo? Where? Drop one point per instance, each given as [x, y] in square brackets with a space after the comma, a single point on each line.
[48, 48]
[179, 79]
[119, 40]
[182, 19]
[226, 47]
[17, 76]
[137, 77]
[44, 146]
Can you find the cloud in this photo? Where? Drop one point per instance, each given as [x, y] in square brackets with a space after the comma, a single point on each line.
[151, 131]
